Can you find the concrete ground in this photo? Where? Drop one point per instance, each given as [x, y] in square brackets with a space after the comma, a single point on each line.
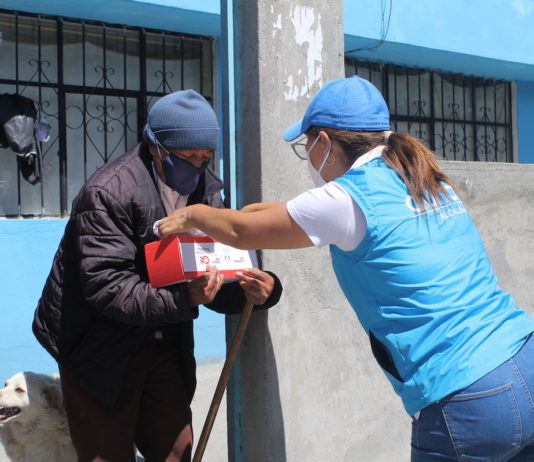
[217, 447]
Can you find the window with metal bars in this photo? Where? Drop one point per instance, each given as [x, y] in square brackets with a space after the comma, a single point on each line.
[94, 83]
[459, 117]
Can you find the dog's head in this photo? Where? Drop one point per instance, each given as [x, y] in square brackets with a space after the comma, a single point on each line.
[26, 395]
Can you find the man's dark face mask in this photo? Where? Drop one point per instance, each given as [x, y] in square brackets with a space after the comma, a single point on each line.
[181, 175]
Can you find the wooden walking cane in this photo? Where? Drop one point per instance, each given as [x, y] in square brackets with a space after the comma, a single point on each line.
[223, 380]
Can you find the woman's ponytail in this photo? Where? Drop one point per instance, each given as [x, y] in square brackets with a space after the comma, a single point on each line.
[418, 168]
[408, 156]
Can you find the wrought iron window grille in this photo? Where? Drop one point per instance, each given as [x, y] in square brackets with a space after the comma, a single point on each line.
[459, 117]
[94, 82]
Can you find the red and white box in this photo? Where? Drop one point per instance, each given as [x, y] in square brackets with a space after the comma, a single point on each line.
[185, 256]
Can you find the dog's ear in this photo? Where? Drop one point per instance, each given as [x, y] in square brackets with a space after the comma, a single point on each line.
[54, 396]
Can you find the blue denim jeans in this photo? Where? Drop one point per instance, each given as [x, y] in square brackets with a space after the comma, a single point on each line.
[492, 420]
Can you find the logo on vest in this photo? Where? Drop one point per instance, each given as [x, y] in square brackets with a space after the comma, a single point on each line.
[450, 206]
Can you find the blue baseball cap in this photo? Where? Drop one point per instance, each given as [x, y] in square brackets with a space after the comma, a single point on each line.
[344, 104]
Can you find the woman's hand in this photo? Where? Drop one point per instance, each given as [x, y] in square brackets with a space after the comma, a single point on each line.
[178, 222]
[257, 285]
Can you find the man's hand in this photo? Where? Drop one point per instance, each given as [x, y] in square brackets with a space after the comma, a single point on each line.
[257, 285]
[203, 289]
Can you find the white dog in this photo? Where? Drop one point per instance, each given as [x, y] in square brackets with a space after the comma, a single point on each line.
[33, 425]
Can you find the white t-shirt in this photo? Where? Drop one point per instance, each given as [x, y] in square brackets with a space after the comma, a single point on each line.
[329, 215]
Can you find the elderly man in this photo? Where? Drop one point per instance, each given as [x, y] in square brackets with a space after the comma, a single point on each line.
[125, 349]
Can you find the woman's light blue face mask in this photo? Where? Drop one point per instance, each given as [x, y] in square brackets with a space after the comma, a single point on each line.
[180, 174]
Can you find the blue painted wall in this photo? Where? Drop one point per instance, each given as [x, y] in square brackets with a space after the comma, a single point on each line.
[496, 29]
[27, 248]
[191, 17]
[487, 38]
[525, 121]
[492, 38]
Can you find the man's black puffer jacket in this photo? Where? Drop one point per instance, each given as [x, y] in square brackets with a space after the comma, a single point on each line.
[98, 309]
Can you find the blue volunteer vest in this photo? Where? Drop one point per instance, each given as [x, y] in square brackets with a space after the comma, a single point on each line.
[424, 290]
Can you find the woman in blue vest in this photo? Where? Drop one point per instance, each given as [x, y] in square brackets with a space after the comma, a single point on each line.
[456, 348]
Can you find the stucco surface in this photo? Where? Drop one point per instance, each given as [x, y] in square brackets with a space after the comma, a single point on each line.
[309, 387]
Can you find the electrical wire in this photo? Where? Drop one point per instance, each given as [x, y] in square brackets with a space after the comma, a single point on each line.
[384, 28]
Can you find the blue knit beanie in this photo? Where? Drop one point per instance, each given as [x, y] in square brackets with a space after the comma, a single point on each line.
[182, 120]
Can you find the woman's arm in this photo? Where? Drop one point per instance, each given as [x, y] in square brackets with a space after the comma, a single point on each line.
[270, 228]
[257, 206]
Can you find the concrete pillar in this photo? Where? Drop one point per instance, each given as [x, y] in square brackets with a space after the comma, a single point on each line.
[309, 389]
